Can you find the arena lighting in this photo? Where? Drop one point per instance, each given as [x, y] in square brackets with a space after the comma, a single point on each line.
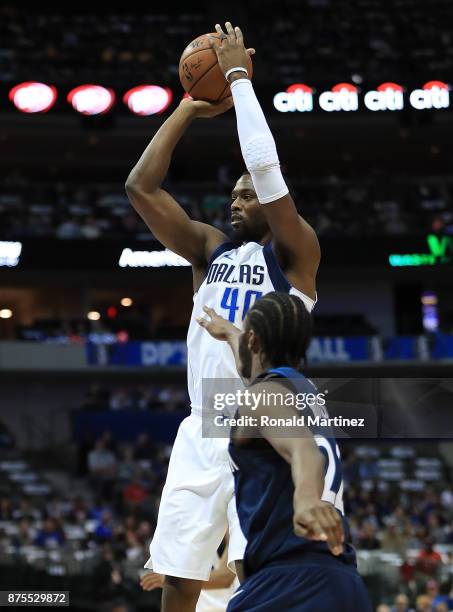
[93, 315]
[112, 312]
[10, 253]
[91, 99]
[6, 313]
[430, 315]
[148, 99]
[150, 259]
[126, 302]
[33, 97]
[441, 252]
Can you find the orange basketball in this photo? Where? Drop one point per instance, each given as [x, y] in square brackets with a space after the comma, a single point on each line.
[200, 73]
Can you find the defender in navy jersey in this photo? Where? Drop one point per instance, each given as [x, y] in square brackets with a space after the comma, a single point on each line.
[272, 248]
[288, 489]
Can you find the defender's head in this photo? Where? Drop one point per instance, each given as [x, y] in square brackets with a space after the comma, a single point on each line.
[247, 216]
[277, 331]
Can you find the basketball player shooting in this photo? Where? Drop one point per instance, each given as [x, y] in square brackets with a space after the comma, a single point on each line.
[273, 249]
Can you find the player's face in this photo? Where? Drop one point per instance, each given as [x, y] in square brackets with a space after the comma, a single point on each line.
[247, 217]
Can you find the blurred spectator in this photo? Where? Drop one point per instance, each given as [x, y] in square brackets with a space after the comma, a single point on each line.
[144, 448]
[6, 511]
[127, 467]
[69, 230]
[367, 537]
[444, 597]
[393, 540]
[401, 604]
[6, 438]
[24, 536]
[428, 560]
[120, 400]
[423, 603]
[50, 535]
[96, 398]
[135, 493]
[104, 529]
[102, 467]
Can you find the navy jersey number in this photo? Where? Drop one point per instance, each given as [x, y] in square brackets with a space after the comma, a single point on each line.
[230, 301]
[333, 479]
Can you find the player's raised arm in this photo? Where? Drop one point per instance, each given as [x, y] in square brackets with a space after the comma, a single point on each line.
[294, 239]
[169, 223]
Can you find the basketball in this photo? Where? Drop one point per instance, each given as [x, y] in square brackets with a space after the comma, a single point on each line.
[200, 73]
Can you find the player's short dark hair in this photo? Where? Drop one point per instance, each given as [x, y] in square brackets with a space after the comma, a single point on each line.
[284, 327]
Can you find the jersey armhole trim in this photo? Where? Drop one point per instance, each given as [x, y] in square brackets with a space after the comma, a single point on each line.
[278, 278]
[222, 248]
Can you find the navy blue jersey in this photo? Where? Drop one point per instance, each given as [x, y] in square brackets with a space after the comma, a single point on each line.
[264, 492]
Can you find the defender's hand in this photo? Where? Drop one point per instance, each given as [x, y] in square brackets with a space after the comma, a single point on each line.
[151, 581]
[317, 520]
[206, 110]
[217, 326]
[231, 51]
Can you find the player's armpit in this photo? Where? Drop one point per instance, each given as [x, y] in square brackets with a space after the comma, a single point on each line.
[170, 224]
[295, 243]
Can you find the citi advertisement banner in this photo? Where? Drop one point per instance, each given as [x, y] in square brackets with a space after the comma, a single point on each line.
[347, 97]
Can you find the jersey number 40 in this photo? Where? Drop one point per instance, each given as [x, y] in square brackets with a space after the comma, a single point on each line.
[232, 302]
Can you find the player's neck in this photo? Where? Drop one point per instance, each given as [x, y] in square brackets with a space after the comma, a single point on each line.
[266, 238]
[259, 366]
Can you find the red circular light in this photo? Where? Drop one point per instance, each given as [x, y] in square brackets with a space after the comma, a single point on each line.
[299, 87]
[148, 99]
[91, 99]
[112, 312]
[33, 97]
[347, 86]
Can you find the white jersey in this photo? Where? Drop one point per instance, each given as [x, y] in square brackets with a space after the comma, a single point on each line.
[236, 278]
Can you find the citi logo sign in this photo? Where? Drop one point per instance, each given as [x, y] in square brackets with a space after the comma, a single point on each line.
[346, 97]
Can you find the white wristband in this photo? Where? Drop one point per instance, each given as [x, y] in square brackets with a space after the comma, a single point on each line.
[237, 69]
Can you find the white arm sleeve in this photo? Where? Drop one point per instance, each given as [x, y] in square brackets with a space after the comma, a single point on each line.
[257, 144]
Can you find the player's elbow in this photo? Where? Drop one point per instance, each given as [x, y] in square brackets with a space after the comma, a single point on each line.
[137, 194]
[132, 186]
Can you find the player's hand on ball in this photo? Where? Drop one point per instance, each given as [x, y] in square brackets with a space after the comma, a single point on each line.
[206, 110]
[315, 519]
[231, 53]
[151, 581]
[217, 326]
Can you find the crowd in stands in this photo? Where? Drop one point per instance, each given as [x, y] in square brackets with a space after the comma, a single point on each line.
[101, 531]
[401, 505]
[333, 206]
[155, 398]
[379, 39]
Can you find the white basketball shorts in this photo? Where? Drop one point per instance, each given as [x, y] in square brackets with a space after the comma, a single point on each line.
[196, 508]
